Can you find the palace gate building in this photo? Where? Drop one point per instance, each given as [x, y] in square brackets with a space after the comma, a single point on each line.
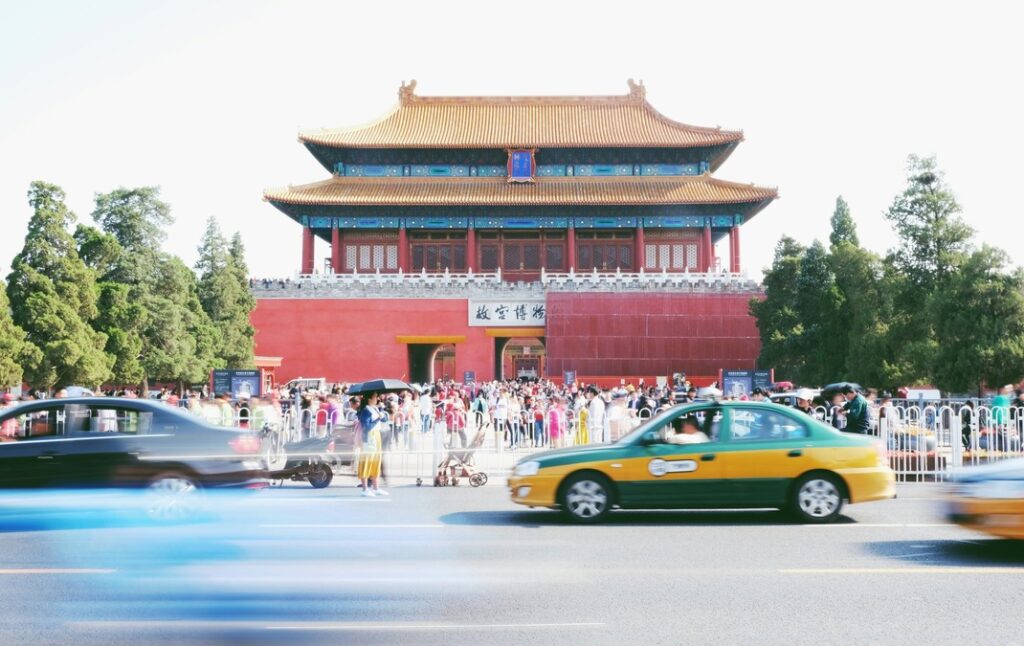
[515, 236]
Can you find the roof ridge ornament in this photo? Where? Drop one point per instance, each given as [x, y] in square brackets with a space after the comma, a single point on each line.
[637, 90]
[406, 92]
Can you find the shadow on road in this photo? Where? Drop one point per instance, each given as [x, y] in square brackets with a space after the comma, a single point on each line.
[716, 518]
[982, 552]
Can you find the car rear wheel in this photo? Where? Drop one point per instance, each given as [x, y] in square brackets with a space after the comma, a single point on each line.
[817, 498]
[586, 497]
[172, 497]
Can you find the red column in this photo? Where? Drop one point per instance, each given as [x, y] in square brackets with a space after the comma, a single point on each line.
[734, 250]
[403, 250]
[336, 250]
[570, 251]
[638, 254]
[708, 250]
[470, 247]
[307, 250]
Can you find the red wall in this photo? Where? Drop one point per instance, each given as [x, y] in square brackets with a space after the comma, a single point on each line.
[354, 339]
[595, 334]
[650, 334]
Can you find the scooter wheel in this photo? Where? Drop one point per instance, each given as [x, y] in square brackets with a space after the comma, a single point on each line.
[321, 476]
[477, 479]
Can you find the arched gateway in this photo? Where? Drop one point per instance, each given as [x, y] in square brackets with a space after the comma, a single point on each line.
[586, 222]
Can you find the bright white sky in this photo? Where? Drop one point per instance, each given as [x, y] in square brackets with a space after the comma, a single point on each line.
[205, 99]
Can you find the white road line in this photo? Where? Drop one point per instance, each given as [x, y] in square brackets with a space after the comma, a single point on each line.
[349, 525]
[326, 626]
[852, 525]
[388, 627]
[907, 570]
[15, 571]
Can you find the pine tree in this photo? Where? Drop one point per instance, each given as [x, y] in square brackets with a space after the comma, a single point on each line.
[821, 343]
[843, 227]
[15, 349]
[778, 320]
[934, 242]
[225, 297]
[53, 297]
[979, 324]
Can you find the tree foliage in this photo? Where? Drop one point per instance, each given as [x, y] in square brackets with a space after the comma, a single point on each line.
[224, 294]
[843, 227]
[53, 297]
[979, 324]
[16, 351]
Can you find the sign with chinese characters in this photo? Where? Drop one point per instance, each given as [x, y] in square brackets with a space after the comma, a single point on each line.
[508, 313]
[520, 166]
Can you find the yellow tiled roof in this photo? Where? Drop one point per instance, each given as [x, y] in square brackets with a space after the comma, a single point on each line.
[497, 191]
[522, 122]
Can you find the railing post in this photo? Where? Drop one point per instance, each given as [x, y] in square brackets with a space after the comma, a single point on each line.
[955, 440]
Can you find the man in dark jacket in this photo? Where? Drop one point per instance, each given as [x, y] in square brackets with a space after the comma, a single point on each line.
[858, 414]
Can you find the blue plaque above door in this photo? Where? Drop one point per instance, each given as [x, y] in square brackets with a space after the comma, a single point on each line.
[521, 165]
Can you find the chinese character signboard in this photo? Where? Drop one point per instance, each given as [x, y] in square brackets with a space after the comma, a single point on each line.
[507, 313]
[520, 166]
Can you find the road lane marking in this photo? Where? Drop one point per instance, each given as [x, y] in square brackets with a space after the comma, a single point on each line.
[351, 525]
[362, 627]
[325, 626]
[15, 571]
[838, 525]
[907, 570]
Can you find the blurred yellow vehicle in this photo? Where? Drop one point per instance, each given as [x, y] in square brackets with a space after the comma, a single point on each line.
[990, 499]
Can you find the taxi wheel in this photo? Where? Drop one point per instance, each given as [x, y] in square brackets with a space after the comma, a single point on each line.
[817, 498]
[587, 497]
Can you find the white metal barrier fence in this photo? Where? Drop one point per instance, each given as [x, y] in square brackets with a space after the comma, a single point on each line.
[929, 442]
[933, 441]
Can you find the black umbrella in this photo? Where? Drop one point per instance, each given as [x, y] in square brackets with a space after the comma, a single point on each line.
[829, 391]
[378, 386]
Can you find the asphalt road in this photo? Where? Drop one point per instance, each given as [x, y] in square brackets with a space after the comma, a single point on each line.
[460, 565]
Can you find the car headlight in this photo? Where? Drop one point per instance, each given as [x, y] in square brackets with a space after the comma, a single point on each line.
[527, 468]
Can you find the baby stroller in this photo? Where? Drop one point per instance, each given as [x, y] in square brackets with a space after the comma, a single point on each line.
[459, 464]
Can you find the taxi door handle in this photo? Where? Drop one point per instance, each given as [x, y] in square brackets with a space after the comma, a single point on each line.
[707, 457]
[795, 453]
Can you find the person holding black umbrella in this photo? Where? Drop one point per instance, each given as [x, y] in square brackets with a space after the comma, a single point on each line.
[368, 439]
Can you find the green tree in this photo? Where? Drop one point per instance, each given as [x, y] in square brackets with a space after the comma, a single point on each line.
[187, 340]
[53, 297]
[979, 324]
[122, 318]
[138, 219]
[822, 341]
[224, 294]
[778, 320]
[15, 349]
[843, 227]
[933, 243]
[934, 239]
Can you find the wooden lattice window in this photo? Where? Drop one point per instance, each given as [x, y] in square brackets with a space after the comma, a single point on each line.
[670, 251]
[370, 251]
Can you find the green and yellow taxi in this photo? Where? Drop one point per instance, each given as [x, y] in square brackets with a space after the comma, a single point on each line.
[733, 455]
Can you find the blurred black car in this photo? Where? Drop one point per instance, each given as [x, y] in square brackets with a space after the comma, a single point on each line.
[91, 442]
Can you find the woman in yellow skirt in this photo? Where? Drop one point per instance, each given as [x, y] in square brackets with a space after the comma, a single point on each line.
[369, 442]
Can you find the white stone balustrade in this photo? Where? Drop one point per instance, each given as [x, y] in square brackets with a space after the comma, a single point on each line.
[470, 284]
